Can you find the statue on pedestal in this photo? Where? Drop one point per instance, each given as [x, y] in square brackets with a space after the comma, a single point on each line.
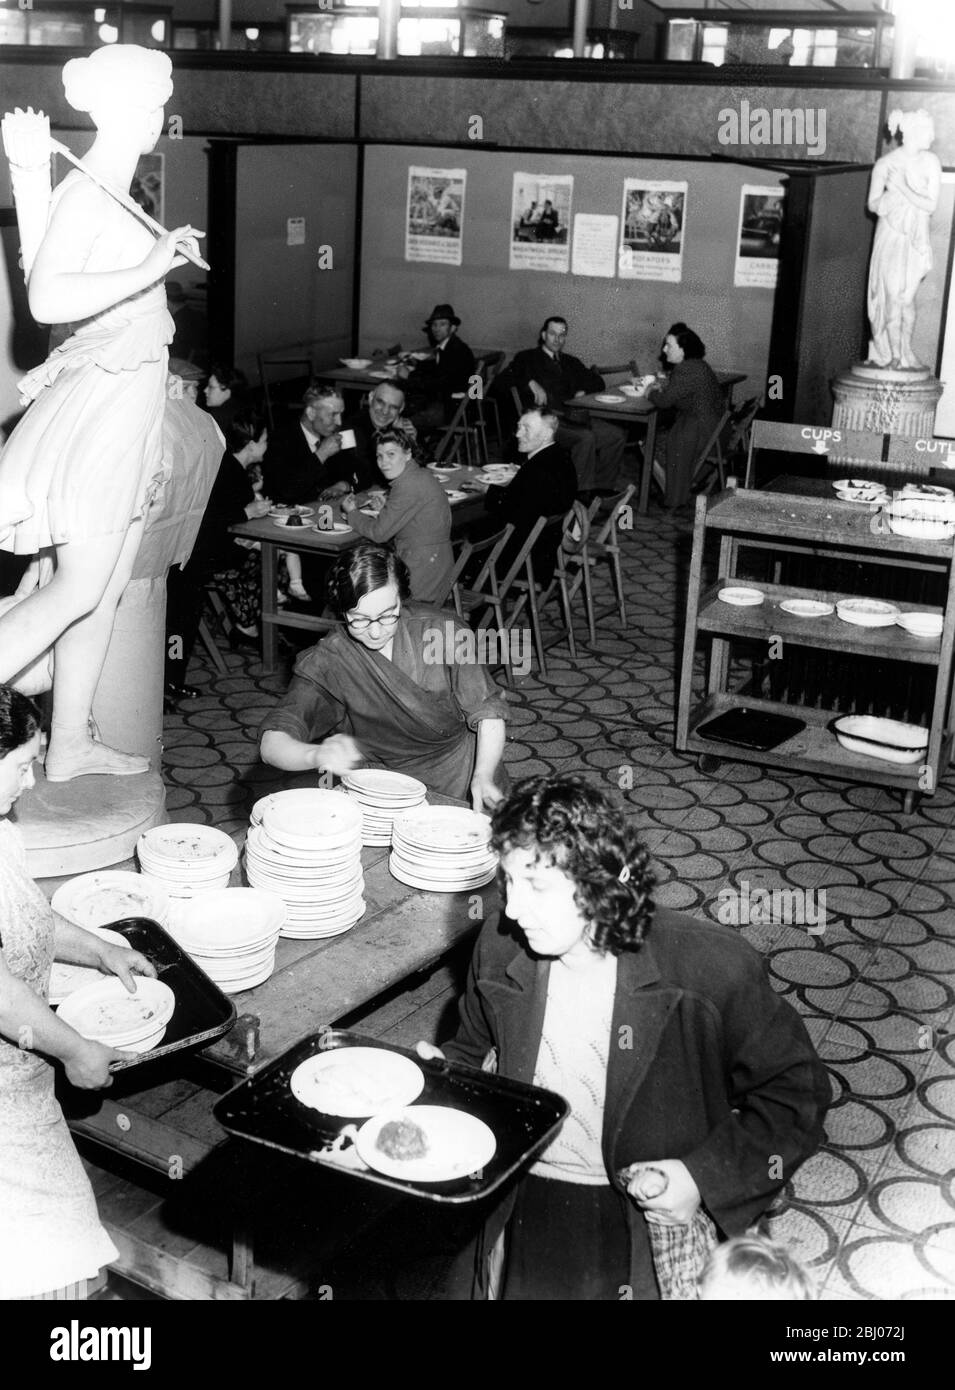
[903, 193]
[78, 473]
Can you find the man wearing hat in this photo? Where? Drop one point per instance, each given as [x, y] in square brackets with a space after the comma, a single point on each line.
[431, 385]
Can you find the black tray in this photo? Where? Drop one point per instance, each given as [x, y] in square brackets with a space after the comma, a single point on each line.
[524, 1118]
[202, 1014]
[751, 728]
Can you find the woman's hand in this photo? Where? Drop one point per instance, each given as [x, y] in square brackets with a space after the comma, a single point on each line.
[337, 754]
[485, 793]
[164, 255]
[88, 1065]
[259, 506]
[678, 1201]
[125, 964]
[348, 503]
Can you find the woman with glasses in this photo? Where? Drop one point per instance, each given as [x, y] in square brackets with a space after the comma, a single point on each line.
[416, 516]
[391, 688]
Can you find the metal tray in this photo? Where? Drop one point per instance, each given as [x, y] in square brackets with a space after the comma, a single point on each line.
[202, 1014]
[524, 1118]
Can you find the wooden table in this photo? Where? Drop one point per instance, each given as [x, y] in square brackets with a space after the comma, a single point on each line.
[330, 543]
[368, 377]
[624, 409]
[404, 931]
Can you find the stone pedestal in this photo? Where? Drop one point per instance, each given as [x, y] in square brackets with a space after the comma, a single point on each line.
[89, 823]
[886, 400]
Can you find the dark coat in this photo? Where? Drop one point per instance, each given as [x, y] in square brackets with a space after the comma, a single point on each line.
[694, 395]
[438, 378]
[544, 485]
[291, 471]
[561, 380]
[707, 1064]
[215, 549]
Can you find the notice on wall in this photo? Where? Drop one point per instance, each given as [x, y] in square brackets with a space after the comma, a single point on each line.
[595, 245]
[652, 229]
[757, 240]
[435, 224]
[540, 222]
[295, 231]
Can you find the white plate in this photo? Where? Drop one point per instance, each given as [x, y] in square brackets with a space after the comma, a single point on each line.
[455, 494]
[444, 827]
[921, 624]
[281, 509]
[311, 814]
[356, 1081]
[630, 391]
[608, 398]
[887, 739]
[337, 528]
[189, 845]
[927, 493]
[284, 522]
[807, 607]
[867, 612]
[457, 1144]
[444, 468]
[66, 978]
[109, 895]
[378, 782]
[227, 918]
[741, 598]
[356, 364]
[108, 1013]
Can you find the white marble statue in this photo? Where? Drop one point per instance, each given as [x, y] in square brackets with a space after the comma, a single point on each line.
[79, 471]
[903, 193]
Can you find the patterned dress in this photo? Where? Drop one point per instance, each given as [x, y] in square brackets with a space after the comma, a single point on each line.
[50, 1235]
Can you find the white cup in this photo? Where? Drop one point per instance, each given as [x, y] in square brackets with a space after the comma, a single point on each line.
[348, 438]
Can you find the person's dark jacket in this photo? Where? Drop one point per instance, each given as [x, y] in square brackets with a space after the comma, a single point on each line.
[359, 466]
[215, 549]
[292, 472]
[440, 377]
[545, 485]
[707, 1064]
[562, 378]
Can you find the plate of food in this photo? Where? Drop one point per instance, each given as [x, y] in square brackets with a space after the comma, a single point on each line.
[426, 1143]
[356, 1082]
[336, 528]
[356, 364]
[609, 398]
[288, 509]
[454, 494]
[444, 467]
[106, 1012]
[291, 522]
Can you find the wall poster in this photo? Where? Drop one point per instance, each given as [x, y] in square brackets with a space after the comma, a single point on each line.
[757, 239]
[435, 220]
[652, 229]
[540, 222]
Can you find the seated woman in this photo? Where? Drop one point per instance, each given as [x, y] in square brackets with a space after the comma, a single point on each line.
[50, 1235]
[694, 395]
[385, 690]
[226, 393]
[416, 515]
[216, 552]
[683, 1068]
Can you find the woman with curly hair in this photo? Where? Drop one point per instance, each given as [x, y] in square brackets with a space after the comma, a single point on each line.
[680, 1063]
[416, 516]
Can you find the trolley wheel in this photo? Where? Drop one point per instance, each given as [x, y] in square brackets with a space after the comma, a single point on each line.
[708, 763]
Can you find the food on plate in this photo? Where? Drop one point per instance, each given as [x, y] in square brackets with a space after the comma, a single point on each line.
[400, 1139]
[295, 520]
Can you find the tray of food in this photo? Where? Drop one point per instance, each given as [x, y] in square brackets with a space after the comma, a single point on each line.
[181, 1011]
[435, 1129]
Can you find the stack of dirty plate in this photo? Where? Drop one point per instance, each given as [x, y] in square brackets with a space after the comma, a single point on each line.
[382, 796]
[66, 979]
[445, 849]
[231, 934]
[305, 845]
[186, 858]
[106, 1012]
[92, 900]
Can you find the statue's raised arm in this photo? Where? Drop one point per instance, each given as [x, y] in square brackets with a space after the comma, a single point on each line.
[79, 471]
[903, 194]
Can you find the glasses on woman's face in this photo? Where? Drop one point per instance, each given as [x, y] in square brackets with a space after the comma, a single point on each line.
[360, 623]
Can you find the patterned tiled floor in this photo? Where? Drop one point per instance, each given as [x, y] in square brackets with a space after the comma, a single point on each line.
[873, 1213]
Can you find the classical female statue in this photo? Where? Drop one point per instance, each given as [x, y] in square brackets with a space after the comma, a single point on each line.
[903, 193]
[79, 471]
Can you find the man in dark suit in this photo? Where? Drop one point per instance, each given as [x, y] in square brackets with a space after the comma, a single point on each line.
[432, 384]
[545, 485]
[301, 462]
[548, 376]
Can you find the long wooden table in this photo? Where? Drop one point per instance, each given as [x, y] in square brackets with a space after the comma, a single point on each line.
[624, 409]
[305, 540]
[404, 932]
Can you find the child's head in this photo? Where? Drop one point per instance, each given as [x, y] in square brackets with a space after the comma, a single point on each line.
[752, 1268]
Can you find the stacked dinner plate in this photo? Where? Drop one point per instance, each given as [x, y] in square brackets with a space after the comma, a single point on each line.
[442, 848]
[187, 859]
[109, 895]
[66, 979]
[231, 934]
[305, 845]
[382, 796]
[106, 1012]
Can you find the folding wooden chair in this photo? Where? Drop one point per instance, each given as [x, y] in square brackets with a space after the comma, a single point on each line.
[605, 545]
[485, 590]
[571, 572]
[267, 360]
[711, 457]
[449, 446]
[214, 600]
[530, 596]
[489, 366]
